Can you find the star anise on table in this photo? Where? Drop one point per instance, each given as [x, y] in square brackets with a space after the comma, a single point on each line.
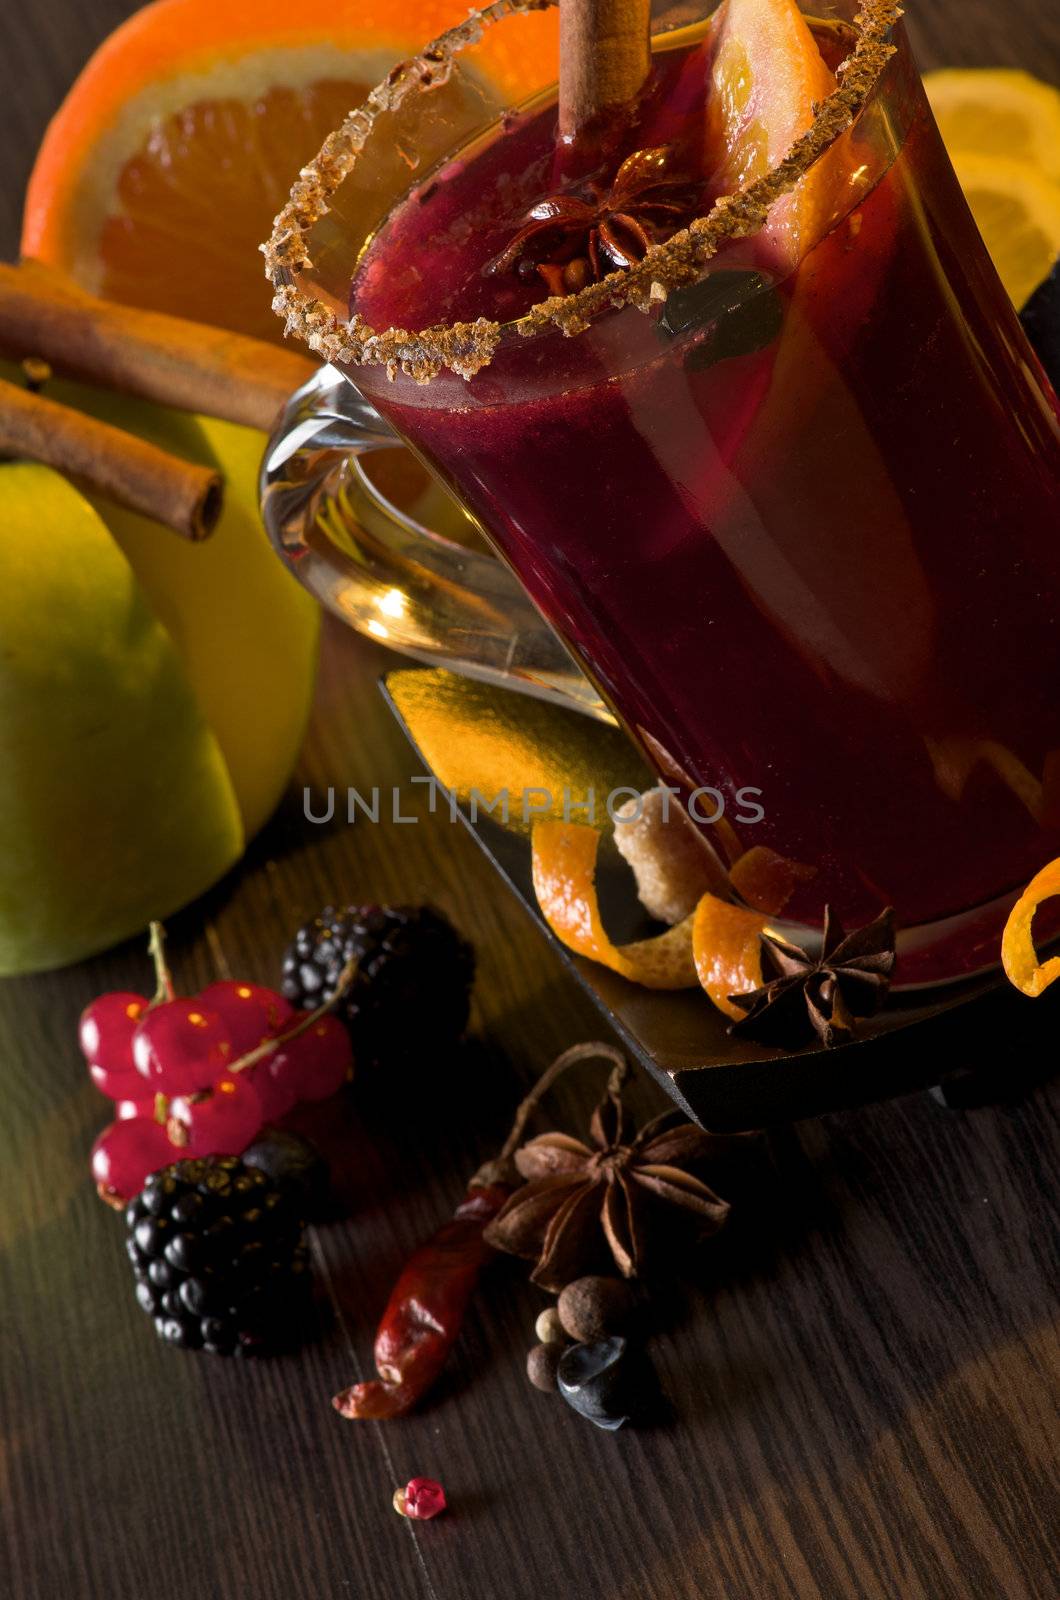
[823, 995]
[583, 1202]
[570, 240]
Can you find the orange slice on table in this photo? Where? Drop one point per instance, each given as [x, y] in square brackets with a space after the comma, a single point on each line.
[768, 76]
[161, 172]
[1017, 211]
[994, 111]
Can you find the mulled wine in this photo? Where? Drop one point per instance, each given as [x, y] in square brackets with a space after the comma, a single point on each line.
[798, 521]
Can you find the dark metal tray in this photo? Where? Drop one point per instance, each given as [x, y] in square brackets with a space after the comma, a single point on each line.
[471, 735]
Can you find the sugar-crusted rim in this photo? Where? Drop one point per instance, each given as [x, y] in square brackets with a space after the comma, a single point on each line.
[466, 347]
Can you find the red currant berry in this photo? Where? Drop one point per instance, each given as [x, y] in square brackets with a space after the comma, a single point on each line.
[116, 1085]
[181, 1046]
[276, 1091]
[124, 1109]
[126, 1152]
[105, 1035]
[220, 1121]
[249, 1011]
[317, 1063]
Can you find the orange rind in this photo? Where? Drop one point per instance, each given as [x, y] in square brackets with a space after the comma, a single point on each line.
[1018, 955]
[766, 880]
[726, 951]
[717, 947]
[564, 871]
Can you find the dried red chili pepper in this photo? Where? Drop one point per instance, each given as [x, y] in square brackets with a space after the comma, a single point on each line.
[426, 1309]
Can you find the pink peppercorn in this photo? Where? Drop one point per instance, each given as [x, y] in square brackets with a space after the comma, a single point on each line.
[421, 1499]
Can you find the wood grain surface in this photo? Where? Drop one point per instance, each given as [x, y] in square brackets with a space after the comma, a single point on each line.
[863, 1375]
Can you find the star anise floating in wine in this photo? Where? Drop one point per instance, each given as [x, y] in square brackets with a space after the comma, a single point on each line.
[825, 994]
[584, 1202]
[570, 240]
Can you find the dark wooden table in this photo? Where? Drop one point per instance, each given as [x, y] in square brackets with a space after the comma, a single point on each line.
[864, 1376]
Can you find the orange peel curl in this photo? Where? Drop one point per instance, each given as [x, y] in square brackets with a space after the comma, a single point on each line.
[716, 947]
[726, 951]
[564, 869]
[1018, 955]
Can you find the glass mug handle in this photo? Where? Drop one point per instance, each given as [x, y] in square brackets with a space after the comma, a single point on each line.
[387, 575]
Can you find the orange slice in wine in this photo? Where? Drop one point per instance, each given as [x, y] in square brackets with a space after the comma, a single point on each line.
[767, 77]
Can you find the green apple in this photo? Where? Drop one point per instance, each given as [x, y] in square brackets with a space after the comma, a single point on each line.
[246, 630]
[153, 693]
[116, 803]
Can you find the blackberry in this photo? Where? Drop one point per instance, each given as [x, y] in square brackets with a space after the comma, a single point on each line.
[292, 1161]
[217, 1254]
[412, 990]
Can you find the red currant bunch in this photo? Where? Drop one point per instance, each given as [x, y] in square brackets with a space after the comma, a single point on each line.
[200, 1076]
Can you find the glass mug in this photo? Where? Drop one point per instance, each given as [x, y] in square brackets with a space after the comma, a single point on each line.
[806, 544]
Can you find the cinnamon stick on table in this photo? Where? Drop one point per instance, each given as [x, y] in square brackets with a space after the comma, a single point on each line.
[117, 465]
[604, 60]
[144, 353]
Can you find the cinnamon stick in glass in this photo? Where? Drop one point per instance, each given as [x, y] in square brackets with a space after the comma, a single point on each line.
[605, 57]
[116, 465]
[148, 354]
